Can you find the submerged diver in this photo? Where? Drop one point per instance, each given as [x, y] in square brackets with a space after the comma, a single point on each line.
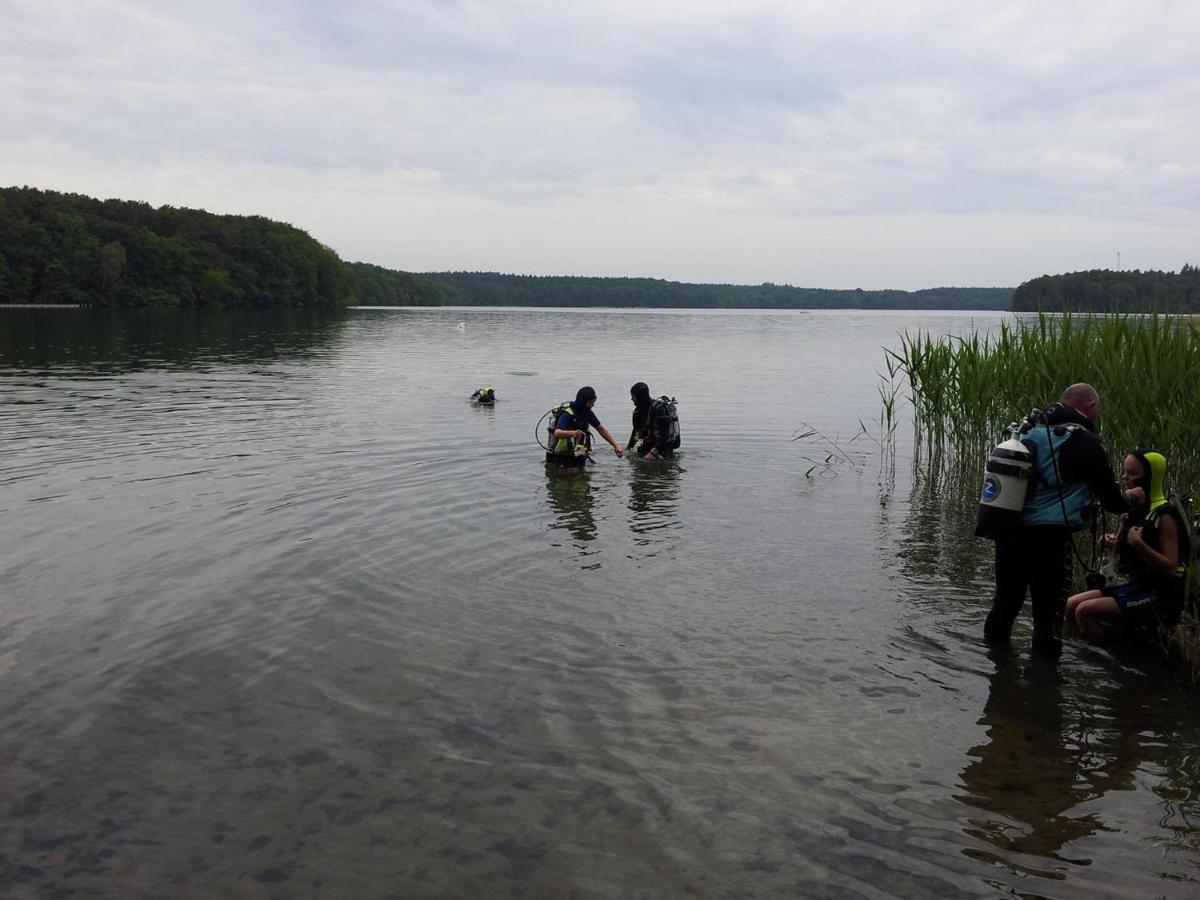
[484, 396]
[570, 438]
[655, 424]
[1036, 556]
[1152, 546]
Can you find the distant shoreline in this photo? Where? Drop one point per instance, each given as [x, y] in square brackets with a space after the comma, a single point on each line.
[39, 306]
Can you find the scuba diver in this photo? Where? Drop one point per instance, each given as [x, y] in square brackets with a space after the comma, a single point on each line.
[1069, 468]
[1153, 548]
[569, 438]
[655, 424]
[484, 396]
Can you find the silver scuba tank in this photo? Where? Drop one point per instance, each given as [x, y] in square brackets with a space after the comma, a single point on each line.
[1005, 481]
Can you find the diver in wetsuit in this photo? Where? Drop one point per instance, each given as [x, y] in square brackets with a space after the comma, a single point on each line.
[1071, 470]
[570, 437]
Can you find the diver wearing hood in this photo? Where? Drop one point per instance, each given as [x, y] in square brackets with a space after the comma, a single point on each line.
[570, 432]
[655, 424]
[1072, 469]
[1153, 548]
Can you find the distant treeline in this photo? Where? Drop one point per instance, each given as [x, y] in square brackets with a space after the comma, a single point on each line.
[493, 289]
[60, 248]
[376, 286]
[69, 249]
[1103, 290]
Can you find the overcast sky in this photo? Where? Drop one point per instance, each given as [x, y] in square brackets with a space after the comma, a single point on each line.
[907, 143]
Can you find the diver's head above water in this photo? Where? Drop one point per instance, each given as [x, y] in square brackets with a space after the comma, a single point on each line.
[585, 398]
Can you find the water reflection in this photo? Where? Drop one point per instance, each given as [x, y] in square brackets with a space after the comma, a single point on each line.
[115, 341]
[653, 498]
[570, 495]
[938, 540]
[1052, 746]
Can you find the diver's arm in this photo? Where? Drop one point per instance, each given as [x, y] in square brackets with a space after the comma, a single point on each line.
[604, 433]
[560, 433]
[1083, 457]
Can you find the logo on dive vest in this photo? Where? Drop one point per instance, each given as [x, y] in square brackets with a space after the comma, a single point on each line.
[991, 490]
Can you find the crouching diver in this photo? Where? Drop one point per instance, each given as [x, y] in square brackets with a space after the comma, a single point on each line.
[1153, 548]
[1069, 471]
[570, 437]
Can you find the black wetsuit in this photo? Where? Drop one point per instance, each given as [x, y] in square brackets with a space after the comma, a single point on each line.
[642, 430]
[1038, 558]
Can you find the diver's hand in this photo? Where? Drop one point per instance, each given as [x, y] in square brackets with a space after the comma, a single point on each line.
[1136, 496]
[620, 453]
[1108, 541]
[1135, 537]
[579, 434]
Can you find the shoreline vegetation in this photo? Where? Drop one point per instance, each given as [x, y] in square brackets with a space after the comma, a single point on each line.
[965, 390]
[60, 249]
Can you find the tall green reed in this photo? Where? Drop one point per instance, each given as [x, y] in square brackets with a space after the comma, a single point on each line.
[965, 390]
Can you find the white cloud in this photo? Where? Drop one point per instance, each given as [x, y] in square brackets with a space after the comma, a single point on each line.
[679, 125]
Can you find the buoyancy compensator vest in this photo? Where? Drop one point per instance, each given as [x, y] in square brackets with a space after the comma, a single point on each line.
[567, 446]
[1022, 483]
[1051, 500]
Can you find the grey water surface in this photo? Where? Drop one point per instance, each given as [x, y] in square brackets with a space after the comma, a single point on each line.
[283, 615]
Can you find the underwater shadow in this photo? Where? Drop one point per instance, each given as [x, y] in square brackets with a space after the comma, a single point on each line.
[1055, 743]
[570, 494]
[654, 489]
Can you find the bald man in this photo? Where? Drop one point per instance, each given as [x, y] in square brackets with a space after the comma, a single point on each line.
[1071, 472]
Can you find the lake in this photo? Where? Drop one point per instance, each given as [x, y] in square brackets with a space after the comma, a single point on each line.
[284, 615]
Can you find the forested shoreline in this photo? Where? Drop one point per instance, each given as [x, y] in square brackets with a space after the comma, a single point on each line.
[1105, 290]
[60, 248]
[70, 249]
[495, 289]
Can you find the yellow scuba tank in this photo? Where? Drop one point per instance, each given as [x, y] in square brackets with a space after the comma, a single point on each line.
[1005, 482]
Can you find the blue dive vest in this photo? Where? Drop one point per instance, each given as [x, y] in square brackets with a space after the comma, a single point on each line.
[1045, 505]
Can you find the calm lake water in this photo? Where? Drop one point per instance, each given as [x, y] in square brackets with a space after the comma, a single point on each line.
[282, 615]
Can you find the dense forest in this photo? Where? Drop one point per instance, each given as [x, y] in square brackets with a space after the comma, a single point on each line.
[376, 286]
[60, 248]
[1103, 290]
[69, 249]
[493, 289]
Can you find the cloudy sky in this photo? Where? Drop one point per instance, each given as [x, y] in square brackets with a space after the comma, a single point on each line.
[907, 143]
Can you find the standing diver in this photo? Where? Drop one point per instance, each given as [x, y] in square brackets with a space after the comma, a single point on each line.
[1071, 468]
[570, 432]
[655, 424]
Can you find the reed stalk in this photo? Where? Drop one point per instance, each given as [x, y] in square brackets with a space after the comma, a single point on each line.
[965, 390]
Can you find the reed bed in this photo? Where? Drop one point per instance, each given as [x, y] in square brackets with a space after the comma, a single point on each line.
[965, 390]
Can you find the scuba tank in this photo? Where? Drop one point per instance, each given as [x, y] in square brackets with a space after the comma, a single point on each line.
[580, 447]
[1005, 483]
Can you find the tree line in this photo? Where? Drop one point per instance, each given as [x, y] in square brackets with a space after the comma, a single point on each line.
[1105, 290]
[58, 248]
[496, 289]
